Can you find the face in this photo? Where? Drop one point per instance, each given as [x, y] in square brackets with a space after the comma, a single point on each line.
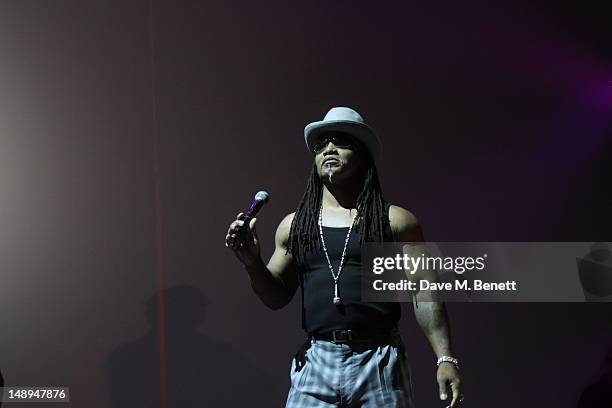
[339, 154]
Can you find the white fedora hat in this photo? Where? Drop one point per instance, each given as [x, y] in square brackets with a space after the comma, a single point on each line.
[347, 120]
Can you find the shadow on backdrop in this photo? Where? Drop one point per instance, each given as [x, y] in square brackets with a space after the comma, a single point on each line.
[595, 272]
[201, 371]
[599, 394]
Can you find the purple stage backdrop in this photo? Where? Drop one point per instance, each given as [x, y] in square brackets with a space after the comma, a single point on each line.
[495, 122]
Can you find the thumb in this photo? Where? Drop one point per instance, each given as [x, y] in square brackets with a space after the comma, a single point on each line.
[252, 227]
[442, 386]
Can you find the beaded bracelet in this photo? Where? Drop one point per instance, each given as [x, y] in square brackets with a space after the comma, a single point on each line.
[447, 359]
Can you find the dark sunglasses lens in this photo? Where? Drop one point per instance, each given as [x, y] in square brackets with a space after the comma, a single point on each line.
[319, 145]
[339, 140]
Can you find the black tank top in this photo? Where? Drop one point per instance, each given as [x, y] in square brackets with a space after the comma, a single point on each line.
[318, 311]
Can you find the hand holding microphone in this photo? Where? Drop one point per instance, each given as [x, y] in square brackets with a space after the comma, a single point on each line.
[241, 235]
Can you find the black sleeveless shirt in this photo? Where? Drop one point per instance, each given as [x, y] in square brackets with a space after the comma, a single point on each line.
[319, 314]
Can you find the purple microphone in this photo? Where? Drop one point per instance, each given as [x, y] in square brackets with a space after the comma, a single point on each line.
[260, 199]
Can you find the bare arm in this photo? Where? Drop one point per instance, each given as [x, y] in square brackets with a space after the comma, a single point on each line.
[430, 313]
[275, 283]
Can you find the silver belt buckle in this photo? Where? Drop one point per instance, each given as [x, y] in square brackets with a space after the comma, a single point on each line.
[349, 336]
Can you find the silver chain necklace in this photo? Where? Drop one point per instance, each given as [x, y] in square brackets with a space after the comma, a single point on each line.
[336, 300]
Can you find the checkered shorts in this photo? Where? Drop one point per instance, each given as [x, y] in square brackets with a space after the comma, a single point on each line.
[350, 375]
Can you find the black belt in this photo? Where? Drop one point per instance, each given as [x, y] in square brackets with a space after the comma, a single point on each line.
[348, 335]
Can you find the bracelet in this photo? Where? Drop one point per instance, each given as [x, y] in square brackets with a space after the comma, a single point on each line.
[447, 359]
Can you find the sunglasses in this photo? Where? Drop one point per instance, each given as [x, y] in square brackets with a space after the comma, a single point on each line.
[341, 140]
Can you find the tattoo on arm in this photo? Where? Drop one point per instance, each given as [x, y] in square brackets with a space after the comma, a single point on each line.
[432, 319]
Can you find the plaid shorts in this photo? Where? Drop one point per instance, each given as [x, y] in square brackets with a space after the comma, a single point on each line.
[350, 375]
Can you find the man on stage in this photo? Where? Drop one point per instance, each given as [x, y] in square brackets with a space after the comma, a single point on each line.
[354, 356]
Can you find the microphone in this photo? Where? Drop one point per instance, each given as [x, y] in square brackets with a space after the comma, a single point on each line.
[261, 198]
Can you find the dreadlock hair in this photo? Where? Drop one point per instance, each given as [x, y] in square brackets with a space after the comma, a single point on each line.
[371, 219]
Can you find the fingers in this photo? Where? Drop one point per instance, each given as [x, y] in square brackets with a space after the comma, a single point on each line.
[252, 228]
[442, 387]
[235, 227]
[449, 374]
[237, 224]
[457, 397]
[239, 217]
[235, 236]
[233, 232]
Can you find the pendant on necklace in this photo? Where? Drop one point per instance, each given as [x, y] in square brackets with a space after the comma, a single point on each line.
[336, 299]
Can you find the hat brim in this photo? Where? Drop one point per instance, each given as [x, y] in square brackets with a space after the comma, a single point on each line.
[360, 131]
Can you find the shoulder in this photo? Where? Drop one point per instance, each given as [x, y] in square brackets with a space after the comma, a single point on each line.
[401, 219]
[284, 228]
[405, 224]
[286, 222]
